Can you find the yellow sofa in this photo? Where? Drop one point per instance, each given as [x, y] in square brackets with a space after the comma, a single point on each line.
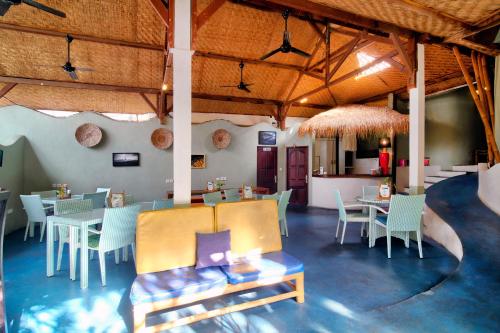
[166, 255]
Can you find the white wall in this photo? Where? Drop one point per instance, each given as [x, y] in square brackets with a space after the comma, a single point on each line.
[489, 187]
[52, 155]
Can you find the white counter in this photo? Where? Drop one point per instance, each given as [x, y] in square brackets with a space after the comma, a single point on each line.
[350, 188]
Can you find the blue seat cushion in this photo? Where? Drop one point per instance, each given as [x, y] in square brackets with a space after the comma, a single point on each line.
[382, 219]
[159, 286]
[268, 265]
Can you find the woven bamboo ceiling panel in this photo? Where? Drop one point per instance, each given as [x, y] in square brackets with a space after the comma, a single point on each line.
[235, 30]
[417, 14]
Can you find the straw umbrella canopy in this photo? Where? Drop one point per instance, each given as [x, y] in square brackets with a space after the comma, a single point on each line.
[359, 120]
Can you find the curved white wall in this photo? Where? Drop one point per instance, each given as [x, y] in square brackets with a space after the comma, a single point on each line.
[489, 187]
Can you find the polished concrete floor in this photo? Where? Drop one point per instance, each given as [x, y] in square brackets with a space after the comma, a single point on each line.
[345, 286]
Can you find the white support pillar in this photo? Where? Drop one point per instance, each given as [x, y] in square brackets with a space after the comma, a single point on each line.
[182, 102]
[417, 126]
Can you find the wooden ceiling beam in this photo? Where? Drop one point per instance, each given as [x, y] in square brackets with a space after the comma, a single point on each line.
[77, 85]
[345, 77]
[161, 9]
[149, 103]
[315, 74]
[340, 52]
[342, 59]
[8, 87]
[342, 17]
[52, 33]
[208, 12]
[403, 54]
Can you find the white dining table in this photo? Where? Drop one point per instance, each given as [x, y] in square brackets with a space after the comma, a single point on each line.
[52, 200]
[79, 224]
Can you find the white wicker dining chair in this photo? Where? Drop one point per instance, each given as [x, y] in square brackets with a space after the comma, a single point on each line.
[368, 192]
[98, 199]
[404, 216]
[118, 231]
[345, 217]
[36, 213]
[64, 207]
[163, 204]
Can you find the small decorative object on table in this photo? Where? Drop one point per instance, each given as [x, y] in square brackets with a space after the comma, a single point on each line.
[247, 192]
[210, 186]
[116, 200]
[219, 183]
[385, 188]
[63, 192]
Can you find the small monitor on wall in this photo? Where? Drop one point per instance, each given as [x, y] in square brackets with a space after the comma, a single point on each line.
[126, 159]
[267, 138]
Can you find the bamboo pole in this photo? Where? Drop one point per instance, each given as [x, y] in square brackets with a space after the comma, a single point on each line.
[489, 93]
[489, 133]
[482, 98]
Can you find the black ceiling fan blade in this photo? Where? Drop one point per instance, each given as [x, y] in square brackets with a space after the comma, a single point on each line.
[246, 89]
[300, 52]
[84, 69]
[248, 84]
[4, 7]
[233, 86]
[73, 75]
[44, 8]
[264, 57]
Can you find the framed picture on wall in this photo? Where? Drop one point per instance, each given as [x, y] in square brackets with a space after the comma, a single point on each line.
[1, 157]
[198, 161]
[267, 138]
[126, 159]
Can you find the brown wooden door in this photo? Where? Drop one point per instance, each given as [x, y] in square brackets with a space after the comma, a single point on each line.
[297, 174]
[267, 168]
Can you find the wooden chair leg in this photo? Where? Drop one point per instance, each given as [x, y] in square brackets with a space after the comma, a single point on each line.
[388, 244]
[419, 239]
[343, 233]
[139, 320]
[299, 285]
[102, 265]
[27, 229]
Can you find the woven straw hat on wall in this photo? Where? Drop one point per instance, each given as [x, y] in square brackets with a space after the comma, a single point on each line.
[162, 138]
[88, 135]
[221, 138]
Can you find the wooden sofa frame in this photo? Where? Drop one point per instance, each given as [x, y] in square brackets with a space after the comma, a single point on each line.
[142, 310]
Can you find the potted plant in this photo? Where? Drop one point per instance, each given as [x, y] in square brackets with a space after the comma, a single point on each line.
[385, 188]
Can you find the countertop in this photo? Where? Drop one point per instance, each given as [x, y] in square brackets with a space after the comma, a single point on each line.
[350, 176]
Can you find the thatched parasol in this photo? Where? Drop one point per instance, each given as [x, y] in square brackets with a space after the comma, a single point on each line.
[360, 120]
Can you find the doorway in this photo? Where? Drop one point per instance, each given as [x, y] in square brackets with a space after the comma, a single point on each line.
[297, 174]
[267, 168]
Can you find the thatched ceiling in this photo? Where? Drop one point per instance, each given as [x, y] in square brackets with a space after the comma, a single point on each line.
[236, 30]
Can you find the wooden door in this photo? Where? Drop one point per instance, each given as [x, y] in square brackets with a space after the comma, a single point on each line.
[267, 168]
[297, 174]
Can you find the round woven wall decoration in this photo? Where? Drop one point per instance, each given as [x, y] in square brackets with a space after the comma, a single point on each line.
[88, 135]
[221, 138]
[162, 138]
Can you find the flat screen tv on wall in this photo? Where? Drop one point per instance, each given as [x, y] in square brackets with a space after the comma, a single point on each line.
[267, 138]
[126, 159]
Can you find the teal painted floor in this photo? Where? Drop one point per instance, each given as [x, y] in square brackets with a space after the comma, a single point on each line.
[349, 288]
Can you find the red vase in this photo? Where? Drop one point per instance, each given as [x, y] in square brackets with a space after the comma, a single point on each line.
[384, 163]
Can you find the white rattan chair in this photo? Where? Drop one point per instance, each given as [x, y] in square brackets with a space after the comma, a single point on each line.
[345, 217]
[36, 213]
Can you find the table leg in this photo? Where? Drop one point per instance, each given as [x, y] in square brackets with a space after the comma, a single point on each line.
[370, 226]
[50, 247]
[73, 248]
[84, 256]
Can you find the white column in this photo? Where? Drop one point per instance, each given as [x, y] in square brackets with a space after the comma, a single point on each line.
[182, 102]
[417, 126]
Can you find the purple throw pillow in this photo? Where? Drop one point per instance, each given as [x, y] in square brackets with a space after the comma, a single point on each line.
[213, 249]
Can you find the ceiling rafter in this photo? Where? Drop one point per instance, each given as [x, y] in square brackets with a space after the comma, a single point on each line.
[208, 12]
[8, 87]
[347, 53]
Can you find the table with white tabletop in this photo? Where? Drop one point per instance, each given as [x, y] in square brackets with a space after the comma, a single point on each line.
[78, 225]
[52, 200]
[374, 200]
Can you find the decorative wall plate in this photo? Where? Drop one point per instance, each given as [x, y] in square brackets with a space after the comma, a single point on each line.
[221, 138]
[88, 135]
[162, 138]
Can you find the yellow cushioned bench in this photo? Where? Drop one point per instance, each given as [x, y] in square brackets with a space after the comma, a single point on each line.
[166, 247]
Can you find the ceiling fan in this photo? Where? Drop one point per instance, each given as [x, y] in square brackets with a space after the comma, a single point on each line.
[241, 86]
[5, 5]
[68, 67]
[286, 47]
